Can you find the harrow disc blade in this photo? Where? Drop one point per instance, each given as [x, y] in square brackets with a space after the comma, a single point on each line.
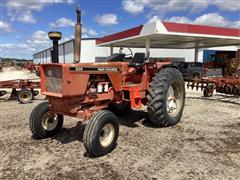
[2, 93]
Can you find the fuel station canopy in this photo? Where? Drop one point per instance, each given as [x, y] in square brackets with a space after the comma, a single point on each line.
[172, 36]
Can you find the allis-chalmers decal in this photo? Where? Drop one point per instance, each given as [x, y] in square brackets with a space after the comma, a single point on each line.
[79, 68]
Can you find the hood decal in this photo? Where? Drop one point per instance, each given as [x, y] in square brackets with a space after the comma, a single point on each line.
[101, 69]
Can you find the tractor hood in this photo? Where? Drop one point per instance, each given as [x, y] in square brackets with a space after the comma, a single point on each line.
[64, 80]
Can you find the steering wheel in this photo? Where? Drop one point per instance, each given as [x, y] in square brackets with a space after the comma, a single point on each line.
[130, 55]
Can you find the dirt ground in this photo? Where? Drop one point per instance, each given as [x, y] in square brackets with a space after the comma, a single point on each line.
[204, 145]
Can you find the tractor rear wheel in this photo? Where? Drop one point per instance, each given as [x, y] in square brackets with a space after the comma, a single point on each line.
[24, 96]
[41, 124]
[101, 133]
[166, 97]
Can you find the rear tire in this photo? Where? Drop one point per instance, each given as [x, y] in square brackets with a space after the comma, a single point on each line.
[24, 96]
[166, 97]
[101, 133]
[41, 125]
[237, 73]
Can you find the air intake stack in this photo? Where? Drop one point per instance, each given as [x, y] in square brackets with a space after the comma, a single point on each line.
[78, 34]
[55, 37]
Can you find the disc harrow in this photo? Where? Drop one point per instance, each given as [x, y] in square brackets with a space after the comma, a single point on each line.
[225, 85]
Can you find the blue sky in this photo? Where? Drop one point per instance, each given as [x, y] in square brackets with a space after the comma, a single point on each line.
[24, 23]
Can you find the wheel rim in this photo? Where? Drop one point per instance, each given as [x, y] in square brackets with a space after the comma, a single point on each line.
[25, 96]
[49, 123]
[107, 135]
[173, 99]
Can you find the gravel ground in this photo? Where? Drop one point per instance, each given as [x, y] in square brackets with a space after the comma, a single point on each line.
[204, 145]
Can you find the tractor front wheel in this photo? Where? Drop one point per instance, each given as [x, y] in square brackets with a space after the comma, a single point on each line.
[42, 124]
[166, 97]
[101, 133]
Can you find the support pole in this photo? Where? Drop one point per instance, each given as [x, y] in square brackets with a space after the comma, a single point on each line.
[196, 54]
[111, 50]
[64, 53]
[147, 45]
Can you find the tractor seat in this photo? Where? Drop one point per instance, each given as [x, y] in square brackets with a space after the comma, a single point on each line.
[138, 60]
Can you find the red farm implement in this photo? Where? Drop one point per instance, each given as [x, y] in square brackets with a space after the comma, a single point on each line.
[225, 85]
[22, 89]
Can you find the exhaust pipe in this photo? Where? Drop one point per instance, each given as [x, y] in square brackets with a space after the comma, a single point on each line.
[78, 34]
[55, 37]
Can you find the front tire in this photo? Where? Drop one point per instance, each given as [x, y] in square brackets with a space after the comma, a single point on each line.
[101, 133]
[41, 125]
[166, 97]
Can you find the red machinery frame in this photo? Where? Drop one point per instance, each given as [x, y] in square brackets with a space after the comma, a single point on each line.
[19, 84]
[77, 100]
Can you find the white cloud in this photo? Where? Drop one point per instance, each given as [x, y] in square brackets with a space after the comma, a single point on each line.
[180, 19]
[25, 49]
[107, 19]
[21, 10]
[86, 33]
[9, 46]
[21, 50]
[163, 6]
[92, 32]
[133, 7]
[25, 17]
[160, 7]
[211, 19]
[227, 5]
[39, 38]
[36, 42]
[154, 18]
[33, 5]
[62, 22]
[5, 27]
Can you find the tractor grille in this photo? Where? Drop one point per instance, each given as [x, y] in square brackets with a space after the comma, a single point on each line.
[54, 79]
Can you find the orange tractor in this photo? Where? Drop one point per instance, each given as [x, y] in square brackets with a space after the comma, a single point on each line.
[97, 91]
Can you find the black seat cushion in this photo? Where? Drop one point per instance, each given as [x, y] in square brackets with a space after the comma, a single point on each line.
[138, 60]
